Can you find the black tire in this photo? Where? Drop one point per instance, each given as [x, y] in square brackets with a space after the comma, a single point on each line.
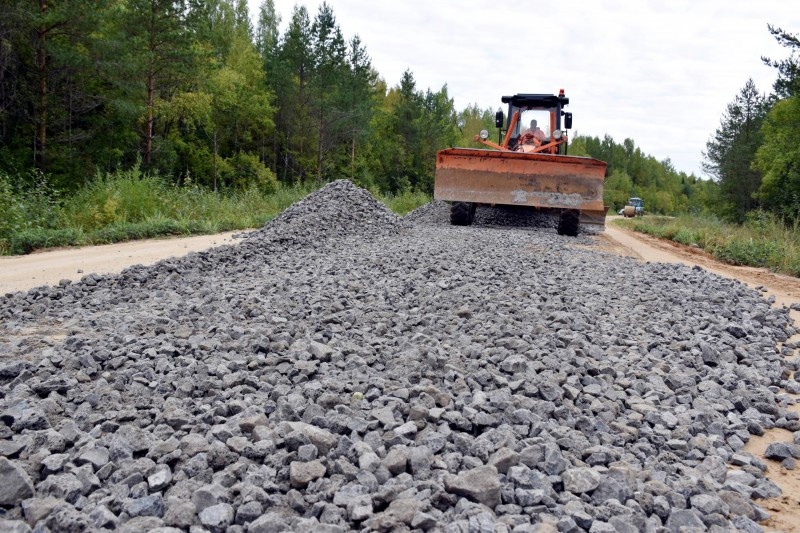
[462, 213]
[569, 222]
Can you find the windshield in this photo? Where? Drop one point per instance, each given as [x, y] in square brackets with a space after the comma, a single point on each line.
[541, 116]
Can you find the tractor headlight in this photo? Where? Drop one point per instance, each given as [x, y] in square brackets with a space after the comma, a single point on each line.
[557, 134]
[484, 134]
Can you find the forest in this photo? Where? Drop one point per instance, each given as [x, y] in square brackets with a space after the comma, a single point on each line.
[201, 94]
[194, 91]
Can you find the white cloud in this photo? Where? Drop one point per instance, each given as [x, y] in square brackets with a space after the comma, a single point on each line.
[660, 73]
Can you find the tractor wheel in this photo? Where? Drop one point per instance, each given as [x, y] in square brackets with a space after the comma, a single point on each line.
[462, 213]
[568, 223]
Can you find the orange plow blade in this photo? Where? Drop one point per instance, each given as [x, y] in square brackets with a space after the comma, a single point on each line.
[546, 181]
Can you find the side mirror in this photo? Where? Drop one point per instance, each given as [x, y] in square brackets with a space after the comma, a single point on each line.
[567, 121]
[499, 119]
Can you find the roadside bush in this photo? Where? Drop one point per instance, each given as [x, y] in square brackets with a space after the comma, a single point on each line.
[750, 252]
[27, 202]
[405, 202]
[119, 197]
[686, 236]
[28, 240]
[243, 169]
[132, 204]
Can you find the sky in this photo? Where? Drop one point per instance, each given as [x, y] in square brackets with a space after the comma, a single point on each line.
[658, 72]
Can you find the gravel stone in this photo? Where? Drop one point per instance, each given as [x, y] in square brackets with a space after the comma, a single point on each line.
[67, 519]
[160, 478]
[580, 480]
[396, 459]
[96, 456]
[779, 451]
[14, 526]
[15, 484]
[248, 512]
[684, 519]
[209, 495]
[301, 474]
[217, 516]
[480, 484]
[180, 514]
[36, 509]
[152, 505]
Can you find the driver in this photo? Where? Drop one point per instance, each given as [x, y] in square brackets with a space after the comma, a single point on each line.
[534, 131]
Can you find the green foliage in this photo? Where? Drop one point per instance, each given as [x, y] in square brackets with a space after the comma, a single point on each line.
[132, 204]
[787, 83]
[471, 120]
[749, 252]
[404, 202]
[27, 202]
[632, 173]
[121, 197]
[731, 151]
[28, 240]
[617, 189]
[243, 170]
[779, 159]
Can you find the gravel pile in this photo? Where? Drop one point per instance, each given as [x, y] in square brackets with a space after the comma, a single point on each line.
[340, 209]
[391, 376]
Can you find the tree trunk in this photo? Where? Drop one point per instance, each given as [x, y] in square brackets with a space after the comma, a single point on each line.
[215, 161]
[41, 67]
[148, 126]
[353, 157]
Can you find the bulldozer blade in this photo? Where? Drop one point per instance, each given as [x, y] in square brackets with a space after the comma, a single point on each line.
[548, 181]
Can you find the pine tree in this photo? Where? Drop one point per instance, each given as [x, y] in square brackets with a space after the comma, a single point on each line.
[730, 152]
[788, 82]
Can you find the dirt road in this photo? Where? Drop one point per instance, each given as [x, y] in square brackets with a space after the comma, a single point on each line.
[23, 273]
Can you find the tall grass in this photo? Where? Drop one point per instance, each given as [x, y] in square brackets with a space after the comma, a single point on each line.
[127, 205]
[133, 204]
[762, 241]
[404, 202]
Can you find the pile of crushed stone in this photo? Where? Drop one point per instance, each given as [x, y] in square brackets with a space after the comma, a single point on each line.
[338, 209]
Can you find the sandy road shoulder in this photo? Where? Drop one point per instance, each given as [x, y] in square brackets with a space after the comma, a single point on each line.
[20, 273]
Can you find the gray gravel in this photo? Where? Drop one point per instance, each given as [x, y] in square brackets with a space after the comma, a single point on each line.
[345, 369]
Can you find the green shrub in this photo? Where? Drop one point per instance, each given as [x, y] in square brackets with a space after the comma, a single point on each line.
[405, 202]
[120, 197]
[686, 236]
[244, 169]
[28, 240]
[27, 201]
[132, 204]
[750, 252]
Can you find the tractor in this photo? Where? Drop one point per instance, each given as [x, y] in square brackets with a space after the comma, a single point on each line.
[527, 166]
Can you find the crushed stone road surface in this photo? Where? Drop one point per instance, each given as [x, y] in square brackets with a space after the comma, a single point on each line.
[344, 369]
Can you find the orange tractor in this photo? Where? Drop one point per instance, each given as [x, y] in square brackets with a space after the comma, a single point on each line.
[529, 166]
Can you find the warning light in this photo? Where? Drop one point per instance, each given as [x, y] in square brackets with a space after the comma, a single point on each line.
[561, 92]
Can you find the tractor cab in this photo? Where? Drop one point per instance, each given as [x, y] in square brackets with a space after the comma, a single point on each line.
[521, 132]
